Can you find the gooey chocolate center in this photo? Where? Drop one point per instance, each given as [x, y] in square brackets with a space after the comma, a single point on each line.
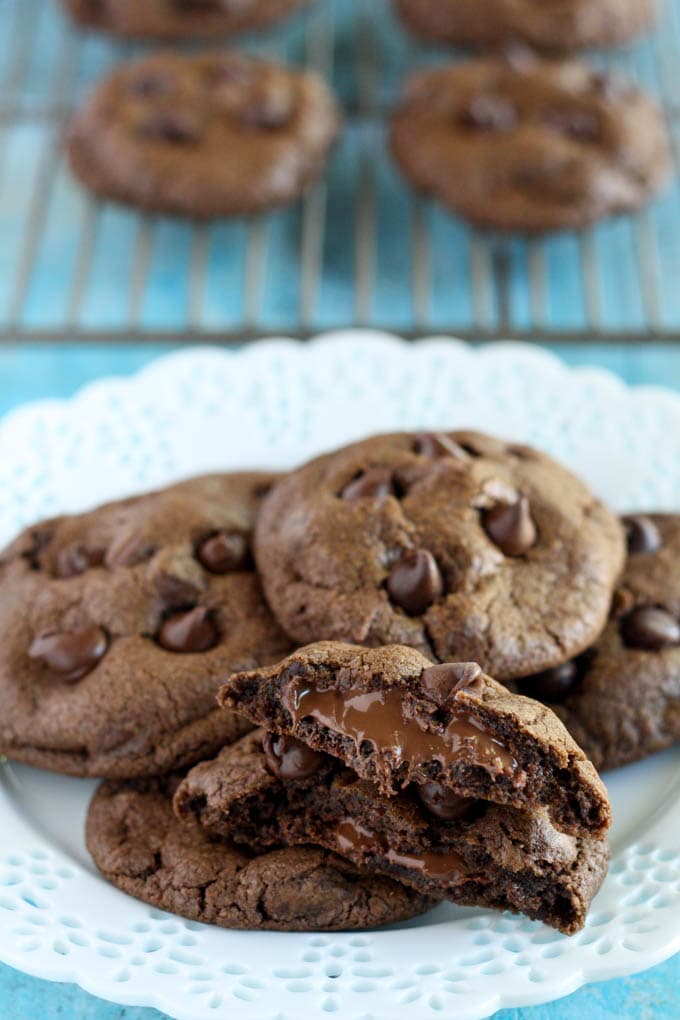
[378, 717]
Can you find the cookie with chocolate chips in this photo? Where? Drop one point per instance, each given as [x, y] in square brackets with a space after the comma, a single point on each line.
[529, 145]
[203, 136]
[178, 19]
[118, 626]
[265, 791]
[397, 720]
[621, 700]
[139, 846]
[461, 545]
[558, 26]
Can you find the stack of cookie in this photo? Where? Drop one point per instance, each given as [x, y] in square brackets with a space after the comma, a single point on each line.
[355, 610]
[510, 141]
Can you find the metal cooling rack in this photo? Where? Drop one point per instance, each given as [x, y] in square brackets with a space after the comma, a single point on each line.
[360, 249]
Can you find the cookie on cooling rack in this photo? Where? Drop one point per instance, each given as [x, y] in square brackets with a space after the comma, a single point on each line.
[117, 628]
[458, 544]
[140, 846]
[621, 700]
[564, 25]
[178, 19]
[203, 136]
[528, 145]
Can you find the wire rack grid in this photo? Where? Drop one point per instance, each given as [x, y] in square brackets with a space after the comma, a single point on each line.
[361, 249]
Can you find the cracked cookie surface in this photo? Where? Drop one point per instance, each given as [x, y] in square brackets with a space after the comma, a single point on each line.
[178, 19]
[216, 134]
[458, 544]
[621, 699]
[142, 848]
[559, 25]
[119, 625]
[529, 145]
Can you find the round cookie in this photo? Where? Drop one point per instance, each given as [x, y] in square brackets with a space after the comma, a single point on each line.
[460, 545]
[558, 26]
[178, 19]
[521, 144]
[621, 700]
[216, 134]
[142, 848]
[118, 626]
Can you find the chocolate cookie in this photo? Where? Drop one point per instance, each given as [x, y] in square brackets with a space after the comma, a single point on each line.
[529, 145]
[561, 25]
[118, 626]
[178, 19]
[139, 846]
[468, 851]
[395, 719]
[211, 135]
[461, 545]
[621, 700]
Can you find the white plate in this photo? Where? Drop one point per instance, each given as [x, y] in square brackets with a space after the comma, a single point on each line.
[273, 405]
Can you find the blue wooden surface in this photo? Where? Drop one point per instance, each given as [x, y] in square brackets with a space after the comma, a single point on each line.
[28, 373]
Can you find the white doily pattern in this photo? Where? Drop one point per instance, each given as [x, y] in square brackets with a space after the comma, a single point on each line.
[273, 405]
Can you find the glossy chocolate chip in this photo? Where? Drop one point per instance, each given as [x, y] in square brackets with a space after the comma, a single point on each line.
[489, 113]
[75, 559]
[442, 682]
[552, 685]
[224, 552]
[193, 630]
[510, 527]
[172, 126]
[414, 583]
[127, 550]
[288, 758]
[175, 591]
[642, 534]
[579, 124]
[70, 653]
[438, 444]
[150, 84]
[650, 628]
[442, 803]
[374, 483]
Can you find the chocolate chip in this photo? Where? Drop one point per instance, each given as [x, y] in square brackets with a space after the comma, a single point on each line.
[75, 559]
[441, 682]
[414, 582]
[288, 758]
[510, 527]
[127, 550]
[642, 534]
[443, 803]
[193, 630]
[650, 628]
[375, 483]
[489, 113]
[224, 552]
[172, 126]
[552, 685]
[175, 591]
[608, 86]
[149, 84]
[580, 124]
[70, 653]
[438, 444]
